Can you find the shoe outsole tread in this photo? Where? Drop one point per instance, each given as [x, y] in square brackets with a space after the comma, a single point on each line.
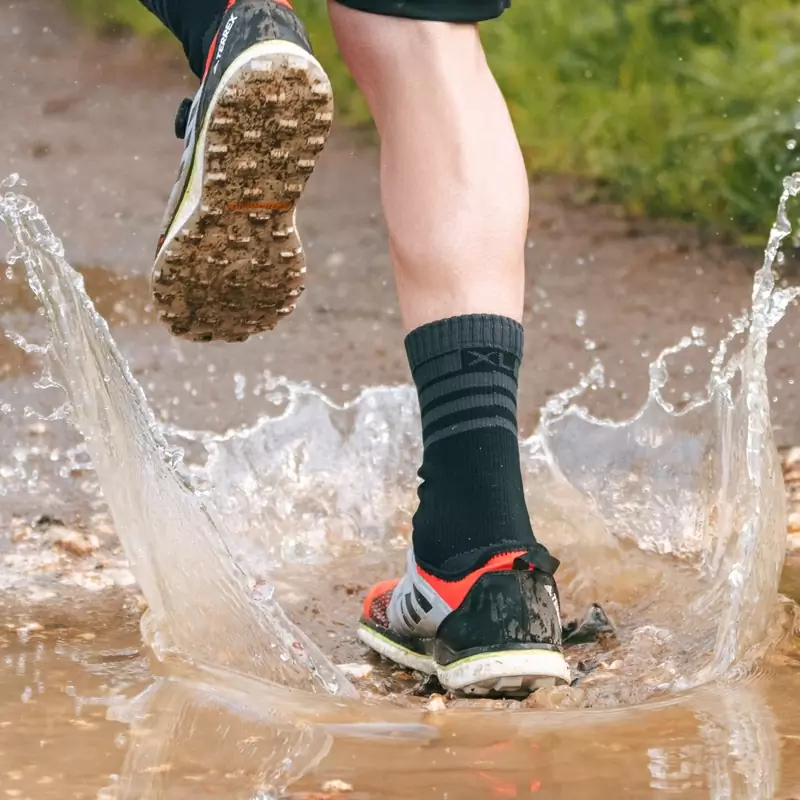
[237, 265]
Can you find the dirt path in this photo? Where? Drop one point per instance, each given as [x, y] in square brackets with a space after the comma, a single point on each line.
[89, 124]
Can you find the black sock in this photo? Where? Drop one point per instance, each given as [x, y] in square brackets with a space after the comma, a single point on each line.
[471, 501]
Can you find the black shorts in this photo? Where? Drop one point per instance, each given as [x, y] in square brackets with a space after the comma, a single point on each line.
[435, 10]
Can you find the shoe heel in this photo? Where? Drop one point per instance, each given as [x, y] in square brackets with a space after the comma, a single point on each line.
[504, 638]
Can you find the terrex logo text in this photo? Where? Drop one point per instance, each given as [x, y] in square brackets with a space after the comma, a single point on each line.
[223, 40]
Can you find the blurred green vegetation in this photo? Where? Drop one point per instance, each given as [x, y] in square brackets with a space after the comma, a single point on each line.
[112, 15]
[682, 108]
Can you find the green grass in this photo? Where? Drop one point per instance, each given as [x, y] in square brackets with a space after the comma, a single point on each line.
[109, 15]
[680, 108]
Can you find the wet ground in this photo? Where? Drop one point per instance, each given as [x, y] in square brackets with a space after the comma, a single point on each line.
[74, 724]
[88, 124]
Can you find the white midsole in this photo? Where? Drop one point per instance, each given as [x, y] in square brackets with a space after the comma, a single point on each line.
[528, 664]
[525, 664]
[193, 192]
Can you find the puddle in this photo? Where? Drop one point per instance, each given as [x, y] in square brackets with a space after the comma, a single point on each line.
[82, 717]
[252, 549]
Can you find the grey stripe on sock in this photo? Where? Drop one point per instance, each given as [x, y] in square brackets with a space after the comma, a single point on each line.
[471, 425]
[466, 380]
[437, 367]
[463, 403]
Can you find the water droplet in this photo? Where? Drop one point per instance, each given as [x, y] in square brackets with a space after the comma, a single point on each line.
[791, 144]
[580, 318]
[14, 179]
[590, 344]
[239, 385]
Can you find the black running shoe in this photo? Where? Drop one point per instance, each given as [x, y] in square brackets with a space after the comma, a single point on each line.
[229, 262]
[492, 630]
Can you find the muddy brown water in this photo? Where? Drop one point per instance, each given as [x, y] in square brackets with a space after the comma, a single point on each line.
[71, 655]
[69, 729]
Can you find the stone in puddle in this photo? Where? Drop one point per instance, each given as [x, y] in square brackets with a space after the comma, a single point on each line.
[359, 672]
[556, 697]
[337, 787]
[436, 703]
[72, 541]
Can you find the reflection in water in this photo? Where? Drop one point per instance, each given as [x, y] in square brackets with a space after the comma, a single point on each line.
[719, 742]
[72, 724]
[181, 736]
[740, 727]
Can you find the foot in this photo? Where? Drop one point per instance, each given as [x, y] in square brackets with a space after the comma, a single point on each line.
[229, 262]
[494, 630]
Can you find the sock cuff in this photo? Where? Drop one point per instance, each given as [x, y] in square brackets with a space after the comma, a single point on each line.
[455, 333]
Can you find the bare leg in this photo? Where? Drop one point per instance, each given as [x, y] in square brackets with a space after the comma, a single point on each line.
[453, 183]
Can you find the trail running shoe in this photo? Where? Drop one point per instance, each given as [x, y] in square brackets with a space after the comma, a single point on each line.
[494, 630]
[229, 262]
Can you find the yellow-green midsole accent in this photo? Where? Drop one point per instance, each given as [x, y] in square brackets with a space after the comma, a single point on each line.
[393, 643]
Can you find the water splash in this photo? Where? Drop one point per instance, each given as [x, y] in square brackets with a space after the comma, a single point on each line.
[673, 518]
[202, 603]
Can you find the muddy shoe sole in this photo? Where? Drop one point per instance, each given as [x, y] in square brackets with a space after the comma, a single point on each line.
[231, 263]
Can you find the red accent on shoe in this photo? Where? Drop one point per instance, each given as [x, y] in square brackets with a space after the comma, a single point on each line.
[454, 592]
[214, 44]
[376, 591]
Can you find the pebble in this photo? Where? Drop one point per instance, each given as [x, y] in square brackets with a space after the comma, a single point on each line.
[73, 542]
[336, 786]
[357, 671]
[436, 703]
[556, 697]
[20, 535]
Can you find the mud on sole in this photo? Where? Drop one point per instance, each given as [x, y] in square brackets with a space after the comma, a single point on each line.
[232, 263]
